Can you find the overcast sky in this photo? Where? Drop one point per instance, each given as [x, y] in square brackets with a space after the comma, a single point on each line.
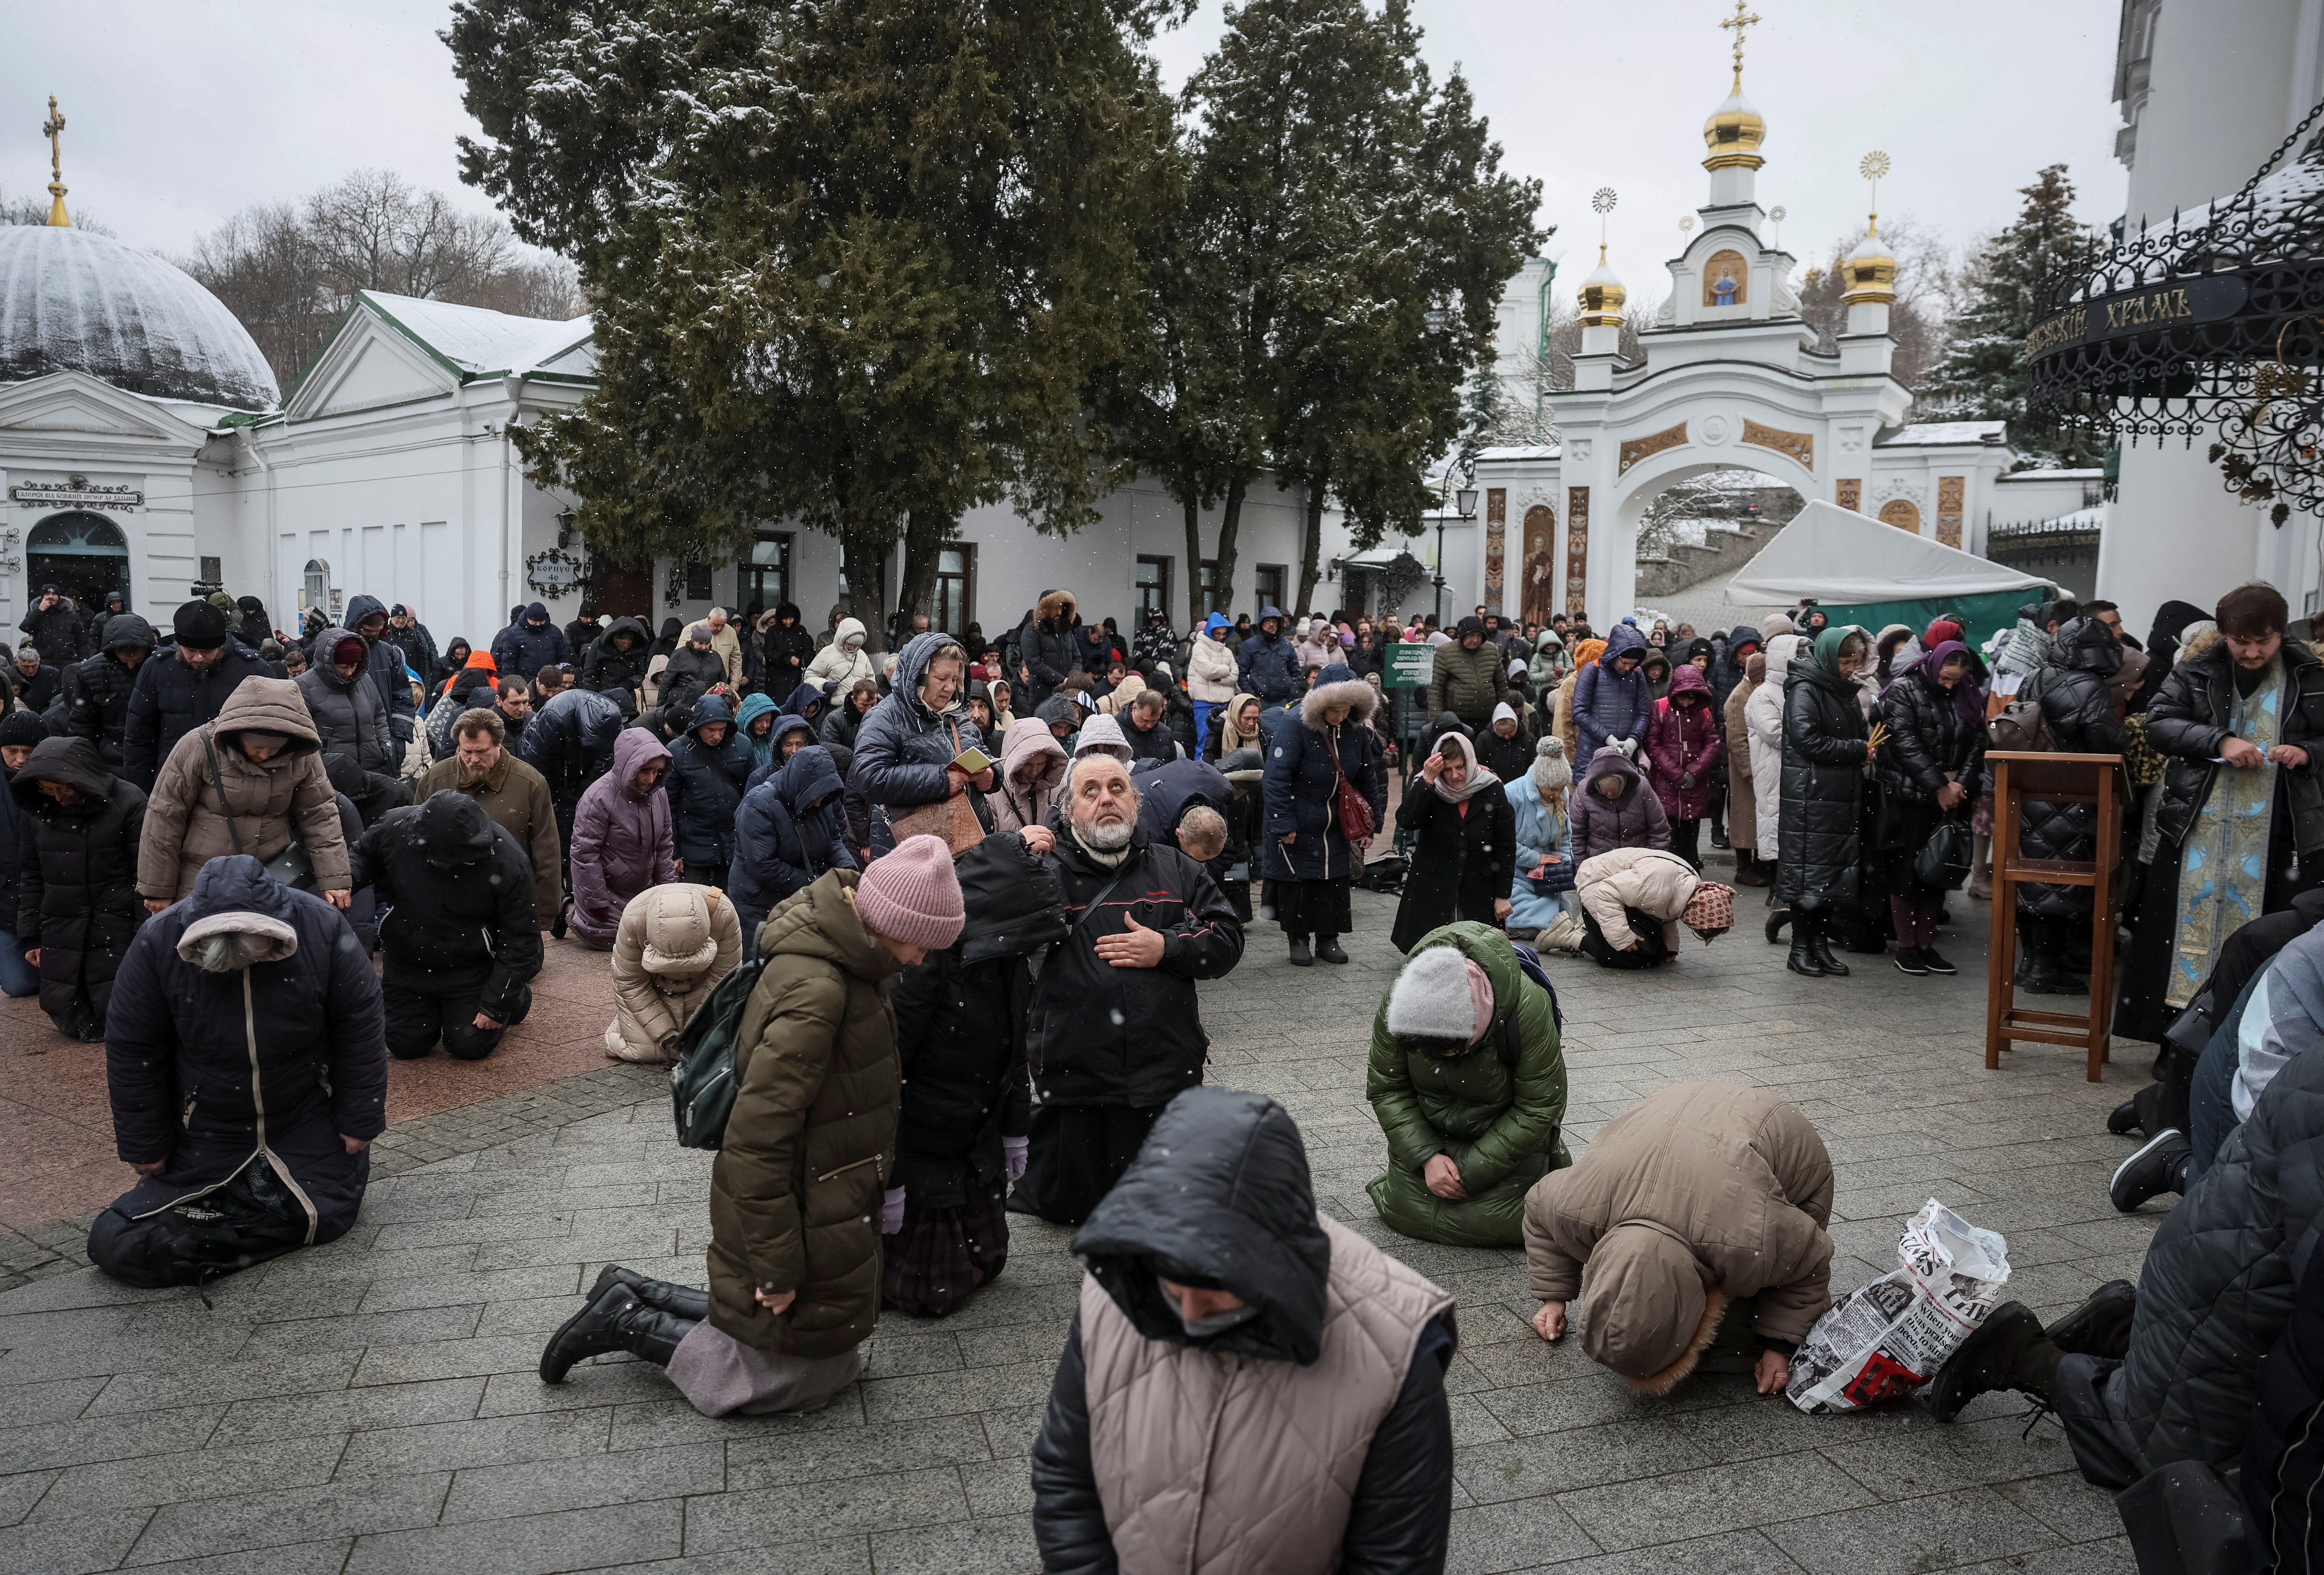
[180, 115]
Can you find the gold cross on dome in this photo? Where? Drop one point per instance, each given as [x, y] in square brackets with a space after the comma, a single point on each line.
[50, 128]
[1739, 21]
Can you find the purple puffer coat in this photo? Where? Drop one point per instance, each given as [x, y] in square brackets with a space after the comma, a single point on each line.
[1682, 739]
[622, 842]
[1608, 704]
[1633, 820]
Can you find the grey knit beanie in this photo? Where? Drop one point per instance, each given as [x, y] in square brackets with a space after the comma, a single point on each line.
[1432, 997]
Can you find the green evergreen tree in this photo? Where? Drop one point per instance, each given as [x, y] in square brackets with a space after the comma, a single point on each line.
[856, 262]
[1982, 377]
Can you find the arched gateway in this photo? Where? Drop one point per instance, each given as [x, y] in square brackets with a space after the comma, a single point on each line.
[1729, 377]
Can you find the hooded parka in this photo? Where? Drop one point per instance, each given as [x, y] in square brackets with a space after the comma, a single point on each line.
[705, 786]
[1032, 765]
[196, 813]
[348, 714]
[460, 894]
[786, 649]
[607, 666]
[1652, 881]
[169, 700]
[622, 841]
[570, 742]
[1821, 816]
[1763, 723]
[97, 691]
[1464, 855]
[514, 797]
[2078, 710]
[1608, 704]
[1045, 648]
[530, 644]
[212, 1072]
[385, 664]
[1496, 1109]
[1211, 669]
[1699, 1194]
[1742, 767]
[842, 662]
[1634, 818]
[1685, 741]
[1307, 757]
[1312, 1437]
[790, 830]
[795, 1193]
[76, 879]
[674, 944]
[901, 747]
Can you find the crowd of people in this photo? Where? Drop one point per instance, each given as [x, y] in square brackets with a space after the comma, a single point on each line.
[935, 918]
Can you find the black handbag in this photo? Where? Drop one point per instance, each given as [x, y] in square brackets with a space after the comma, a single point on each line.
[1944, 860]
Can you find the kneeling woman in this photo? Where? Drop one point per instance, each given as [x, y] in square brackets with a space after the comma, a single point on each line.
[795, 1195]
[1467, 1080]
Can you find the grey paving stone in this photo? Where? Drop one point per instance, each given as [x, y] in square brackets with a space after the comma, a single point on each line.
[299, 1515]
[60, 1401]
[577, 1539]
[536, 1488]
[1495, 1537]
[21, 1491]
[222, 1469]
[765, 1516]
[1729, 1553]
[389, 1451]
[764, 1457]
[285, 1375]
[999, 1546]
[354, 1331]
[319, 1558]
[113, 1438]
[345, 1410]
[68, 1547]
[1730, 1497]
[450, 1358]
[1964, 1527]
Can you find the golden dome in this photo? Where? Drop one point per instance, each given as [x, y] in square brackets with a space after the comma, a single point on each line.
[1733, 133]
[1869, 274]
[1602, 296]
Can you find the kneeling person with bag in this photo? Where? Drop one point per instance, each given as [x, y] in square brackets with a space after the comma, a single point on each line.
[796, 1195]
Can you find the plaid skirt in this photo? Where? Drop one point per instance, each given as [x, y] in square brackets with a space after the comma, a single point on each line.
[943, 1254]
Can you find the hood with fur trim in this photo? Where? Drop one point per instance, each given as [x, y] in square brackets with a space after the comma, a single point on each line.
[1337, 685]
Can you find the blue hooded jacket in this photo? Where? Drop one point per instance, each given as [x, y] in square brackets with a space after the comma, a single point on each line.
[1609, 704]
[902, 748]
[789, 831]
[705, 786]
[754, 706]
[530, 644]
[1267, 665]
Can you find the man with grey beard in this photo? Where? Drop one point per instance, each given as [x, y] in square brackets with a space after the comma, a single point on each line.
[1115, 1031]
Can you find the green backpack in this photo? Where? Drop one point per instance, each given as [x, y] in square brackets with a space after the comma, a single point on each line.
[702, 1081]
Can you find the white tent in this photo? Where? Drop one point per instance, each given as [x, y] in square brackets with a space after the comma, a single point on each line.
[1845, 559]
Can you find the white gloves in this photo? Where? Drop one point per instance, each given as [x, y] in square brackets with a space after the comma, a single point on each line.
[891, 1212]
[1013, 1154]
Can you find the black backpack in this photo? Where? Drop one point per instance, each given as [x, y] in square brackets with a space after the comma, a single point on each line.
[1530, 961]
[702, 1080]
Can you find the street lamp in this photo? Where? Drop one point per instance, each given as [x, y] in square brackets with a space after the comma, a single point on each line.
[1466, 501]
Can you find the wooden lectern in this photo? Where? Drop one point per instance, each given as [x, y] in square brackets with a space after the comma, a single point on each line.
[2055, 779]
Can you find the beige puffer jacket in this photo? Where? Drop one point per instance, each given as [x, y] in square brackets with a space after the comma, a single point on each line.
[184, 826]
[1211, 670]
[1698, 1193]
[675, 943]
[1215, 1465]
[1645, 878]
[1032, 764]
[1117, 700]
[843, 661]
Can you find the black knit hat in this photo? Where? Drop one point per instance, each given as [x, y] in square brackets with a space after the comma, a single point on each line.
[24, 726]
[199, 626]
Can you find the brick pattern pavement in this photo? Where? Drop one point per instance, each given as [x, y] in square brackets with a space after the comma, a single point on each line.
[372, 1406]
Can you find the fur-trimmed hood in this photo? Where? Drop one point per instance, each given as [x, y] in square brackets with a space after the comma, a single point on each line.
[1056, 609]
[1337, 685]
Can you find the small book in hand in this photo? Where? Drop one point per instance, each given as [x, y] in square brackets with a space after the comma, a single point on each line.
[972, 761]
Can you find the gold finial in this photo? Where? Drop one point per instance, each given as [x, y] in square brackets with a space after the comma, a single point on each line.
[1874, 166]
[51, 128]
[1739, 21]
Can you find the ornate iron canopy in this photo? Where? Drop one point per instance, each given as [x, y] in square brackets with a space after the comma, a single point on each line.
[2213, 319]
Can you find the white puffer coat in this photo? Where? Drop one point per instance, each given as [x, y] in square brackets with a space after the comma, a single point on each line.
[1763, 719]
[1211, 672]
[675, 943]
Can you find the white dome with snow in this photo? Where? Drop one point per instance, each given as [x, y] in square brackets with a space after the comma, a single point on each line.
[71, 300]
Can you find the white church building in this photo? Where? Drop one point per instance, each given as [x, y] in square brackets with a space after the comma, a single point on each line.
[145, 447]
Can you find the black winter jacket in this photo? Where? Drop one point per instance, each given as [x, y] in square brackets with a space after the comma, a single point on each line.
[2188, 721]
[416, 644]
[57, 633]
[706, 785]
[784, 653]
[40, 691]
[1267, 666]
[169, 700]
[525, 646]
[1103, 1035]
[960, 1039]
[1820, 838]
[1233, 1197]
[2071, 687]
[386, 665]
[901, 748]
[96, 693]
[1929, 742]
[690, 675]
[606, 666]
[788, 831]
[1459, 864]
[570, 742]
[77, 876]
[1045, 647]
[187, 1087]
[459, 889]
[1301, 787]
[350, 717]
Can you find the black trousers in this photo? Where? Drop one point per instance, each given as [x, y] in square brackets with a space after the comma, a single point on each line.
[1717, 805]
[707, 874]
[249, 1220]
[2078, 1395]
[1319, 908]
[1650, 952]
[1076, 1154]
[415, 1019]
[1686, 839]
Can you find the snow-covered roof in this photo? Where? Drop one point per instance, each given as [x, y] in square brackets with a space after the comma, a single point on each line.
[2090, 474]
[74, 300]
[1938, 434]
[1520, 451]
[476, 341]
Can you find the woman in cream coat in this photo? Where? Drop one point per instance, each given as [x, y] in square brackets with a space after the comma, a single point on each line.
[675, 943]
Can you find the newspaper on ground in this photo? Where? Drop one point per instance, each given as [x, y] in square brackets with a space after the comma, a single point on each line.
[1883, 1340]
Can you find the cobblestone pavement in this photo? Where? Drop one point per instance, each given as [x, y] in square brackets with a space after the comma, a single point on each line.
[372, 1406]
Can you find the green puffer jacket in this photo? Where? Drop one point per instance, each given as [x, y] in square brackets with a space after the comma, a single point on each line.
[795, 1195]
[1498, 1123]
[1468, 684]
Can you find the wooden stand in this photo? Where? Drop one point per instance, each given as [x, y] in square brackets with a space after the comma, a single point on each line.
[2055, 779]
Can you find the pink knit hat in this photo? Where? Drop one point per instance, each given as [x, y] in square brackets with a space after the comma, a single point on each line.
[913, 895]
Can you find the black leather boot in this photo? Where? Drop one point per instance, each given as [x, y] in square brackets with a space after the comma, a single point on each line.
[683, 1299]
[1820, 941]
[1300, 955]
[2008, 1351]
[1327, 950]
[614, 1322]
[1803, 960]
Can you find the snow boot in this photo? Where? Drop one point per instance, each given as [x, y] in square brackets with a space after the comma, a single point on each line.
[2099, 1326]
[1327, 950]
[683, 1299]
[1820, 943]
[1300, 955]
[2008, 1351]
[614, 1322]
